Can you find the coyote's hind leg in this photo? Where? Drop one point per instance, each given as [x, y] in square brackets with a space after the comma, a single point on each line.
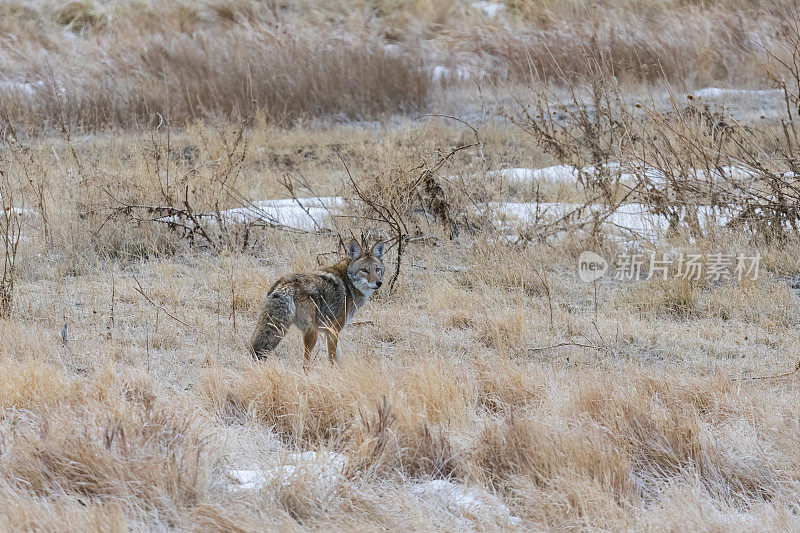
[309, 341]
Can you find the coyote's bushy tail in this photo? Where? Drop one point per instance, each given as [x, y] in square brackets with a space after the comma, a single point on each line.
[277, 314]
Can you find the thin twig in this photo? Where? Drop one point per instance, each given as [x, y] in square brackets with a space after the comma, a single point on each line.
[780, 376]
[560, 344]
[140, 290]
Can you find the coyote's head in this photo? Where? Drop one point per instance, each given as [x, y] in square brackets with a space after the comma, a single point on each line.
[365, 270]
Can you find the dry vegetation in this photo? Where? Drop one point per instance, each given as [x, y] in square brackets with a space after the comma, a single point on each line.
[87, 66]
[128, 399]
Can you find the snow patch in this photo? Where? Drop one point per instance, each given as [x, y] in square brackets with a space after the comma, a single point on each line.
[441, 72]
[490, 9]
[24, 87]
[302, 213]
[629, 220]
[306, 214]
[324, 469]
[559, 173]
[626, 174]
[23, 212]
[469, 501]
[20, 211]
[570, 175]
[718, 92]
[248, 479]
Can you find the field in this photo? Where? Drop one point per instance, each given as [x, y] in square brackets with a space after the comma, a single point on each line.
[163, 163]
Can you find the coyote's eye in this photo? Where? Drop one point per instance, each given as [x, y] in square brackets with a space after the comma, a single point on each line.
[362, 272]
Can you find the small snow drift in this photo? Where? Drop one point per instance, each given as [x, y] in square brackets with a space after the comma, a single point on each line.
[23, 212]
[560, 173]
[302, 213]
[323, 469]
[632, 220]
[717, 92]
[470, 502]
[23, 87]
[490, 9]
[305, 214]
[570, 175]
[627, 174]
[461, 73]
[248, 479]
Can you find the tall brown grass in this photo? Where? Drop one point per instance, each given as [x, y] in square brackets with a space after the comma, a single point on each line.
[86, 66]
[152, 80]
[128, 399]
[682, 42]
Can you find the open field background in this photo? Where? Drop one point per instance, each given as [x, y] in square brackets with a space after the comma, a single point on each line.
[162, 163]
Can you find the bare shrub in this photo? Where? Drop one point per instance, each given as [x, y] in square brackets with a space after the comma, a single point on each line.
[188, 201]
[10, 233]
[694, 167]
[173, 195]
[403, 204]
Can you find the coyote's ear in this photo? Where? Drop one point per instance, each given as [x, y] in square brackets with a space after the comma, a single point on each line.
[377, 250]
[354, 249]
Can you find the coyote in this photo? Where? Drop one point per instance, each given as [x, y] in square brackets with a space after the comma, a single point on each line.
[323, 300]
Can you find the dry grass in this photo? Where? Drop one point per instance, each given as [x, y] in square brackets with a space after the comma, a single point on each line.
[488, 366]
[683, 42]
[128, 398]
[88, 66]
[95, 75]
[214, 77]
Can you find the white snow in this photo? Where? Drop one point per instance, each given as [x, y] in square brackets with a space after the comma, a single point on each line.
[718, 92]
[324, 469]
[626, 174]
[462, 500]
[304, 214]
[307, 214]
[569, 175]
[392, 48]
[490, 9]
[23, 211]
[462, 73]
[559, 173]
[629, 220]
[20, 211]
[248, 479]
[21, 86]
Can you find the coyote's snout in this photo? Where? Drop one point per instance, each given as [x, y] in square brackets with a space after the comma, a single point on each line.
[317, 301]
